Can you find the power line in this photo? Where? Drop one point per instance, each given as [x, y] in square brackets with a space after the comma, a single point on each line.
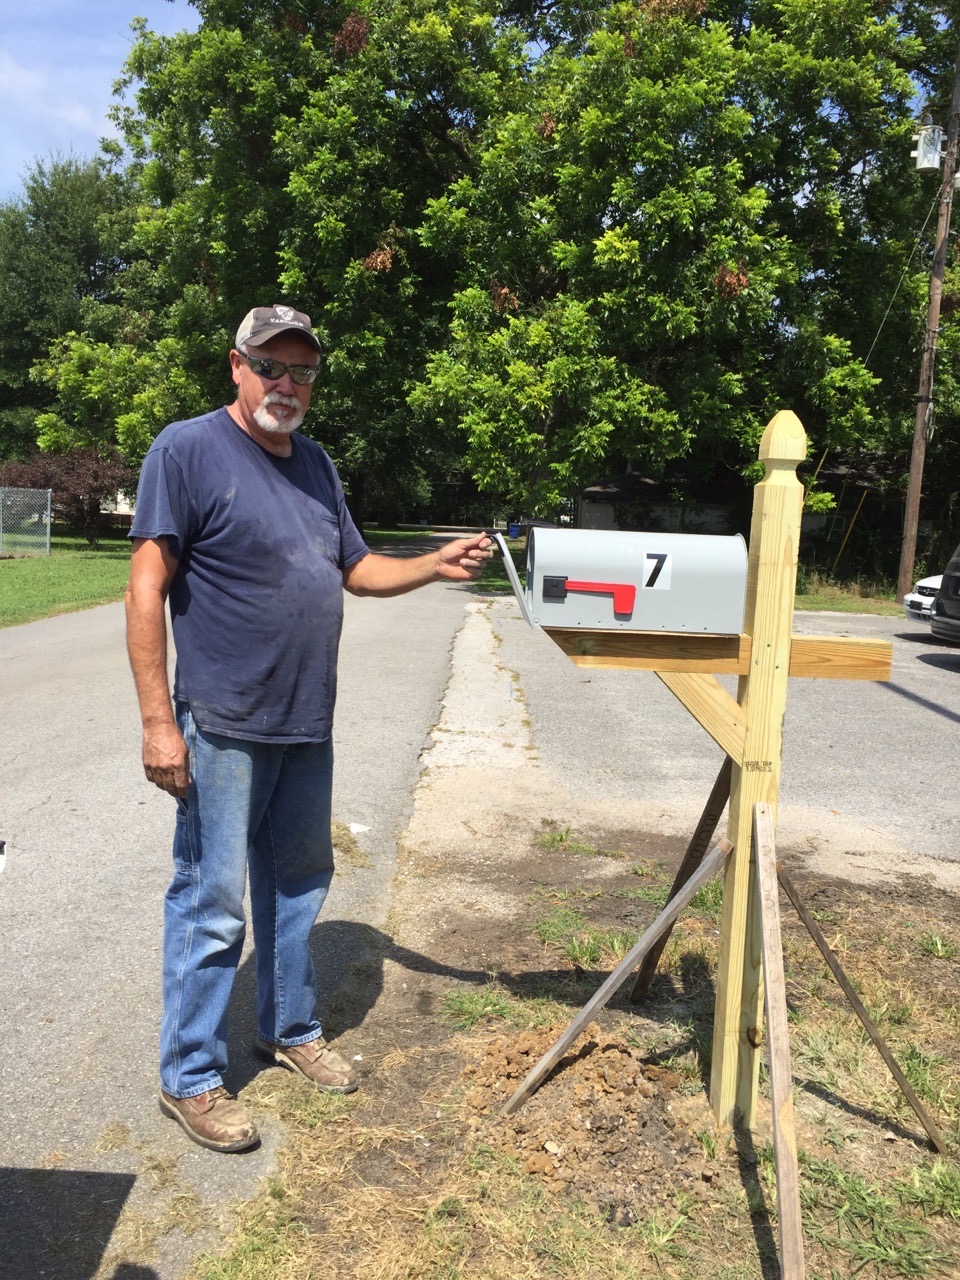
[903, 277]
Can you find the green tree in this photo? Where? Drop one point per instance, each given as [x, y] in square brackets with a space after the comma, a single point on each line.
[59, 253]
[80, 480]
[538, 239]
[696, 220]
[289, 153]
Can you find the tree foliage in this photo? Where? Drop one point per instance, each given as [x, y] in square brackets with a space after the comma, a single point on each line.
[538, 238]
[59, 253]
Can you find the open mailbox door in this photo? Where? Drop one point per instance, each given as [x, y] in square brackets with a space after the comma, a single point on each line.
[605, 580]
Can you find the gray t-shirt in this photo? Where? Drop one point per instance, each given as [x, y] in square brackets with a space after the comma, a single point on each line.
[257, 600]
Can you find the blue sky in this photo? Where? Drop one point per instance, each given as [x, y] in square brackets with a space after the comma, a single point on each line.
[58, 62]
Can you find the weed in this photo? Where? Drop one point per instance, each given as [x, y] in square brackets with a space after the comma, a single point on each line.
[564, 839]
[659, 1235]
[467, 1007]
[708, 900]
[545, 894]
[934, 1188]
[867, 1223]
[617, 943]
[559, 926]
[934, 945]
[893, 1013]
[583, 951]
[708, 1141]
[924, 1070]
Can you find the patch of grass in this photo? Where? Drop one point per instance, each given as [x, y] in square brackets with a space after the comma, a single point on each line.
[306, 1110]
[925, 1071]
[566, 840]
[380, 537]
[563, 838]
[866, 1223]
[72, 577]
[563, 893]
[115, 1137]
[821, 591]
[162, 1170]
[469, 1007]
[560, 926]
[708, 899]
[270, 1241]
[828, 1053]
[933, 1188]
[544, 893]
[659, 1234]
[655, 892]
[583, 951]
[494, 578]
[617, 942]
[935, 945]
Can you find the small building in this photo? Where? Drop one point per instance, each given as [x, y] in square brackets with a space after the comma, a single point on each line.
[630, 501]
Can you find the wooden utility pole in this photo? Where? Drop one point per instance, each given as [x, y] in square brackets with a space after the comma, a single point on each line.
[911, 518]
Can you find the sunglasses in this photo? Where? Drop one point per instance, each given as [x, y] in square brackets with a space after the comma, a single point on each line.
[273, 370]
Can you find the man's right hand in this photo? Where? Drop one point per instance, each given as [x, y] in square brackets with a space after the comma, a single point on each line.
[166, 761]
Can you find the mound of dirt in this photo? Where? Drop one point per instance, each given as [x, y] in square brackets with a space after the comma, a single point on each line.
[608, 1126]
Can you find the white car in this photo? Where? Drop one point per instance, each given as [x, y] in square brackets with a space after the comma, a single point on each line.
[918, 602]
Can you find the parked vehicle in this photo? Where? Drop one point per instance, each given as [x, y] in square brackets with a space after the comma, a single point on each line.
[945, 614]
[918, 603]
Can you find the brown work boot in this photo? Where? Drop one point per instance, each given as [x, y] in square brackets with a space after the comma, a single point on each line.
[315, 1061]
[215, 1119]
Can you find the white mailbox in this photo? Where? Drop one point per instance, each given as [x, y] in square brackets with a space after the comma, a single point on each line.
[607, 580]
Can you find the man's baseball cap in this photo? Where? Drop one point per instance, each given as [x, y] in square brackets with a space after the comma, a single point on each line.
[263, 323]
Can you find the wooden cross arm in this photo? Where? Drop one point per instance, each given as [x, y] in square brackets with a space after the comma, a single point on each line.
[816, 657]
[840, 658]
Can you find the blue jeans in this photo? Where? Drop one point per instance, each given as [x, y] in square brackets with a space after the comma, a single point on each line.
[265, 805]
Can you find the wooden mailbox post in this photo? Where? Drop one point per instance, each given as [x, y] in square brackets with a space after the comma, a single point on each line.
[749, 728]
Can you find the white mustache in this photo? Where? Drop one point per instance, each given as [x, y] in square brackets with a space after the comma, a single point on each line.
[277, 397]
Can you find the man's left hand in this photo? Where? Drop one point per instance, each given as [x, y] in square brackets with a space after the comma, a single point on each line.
[464, 559]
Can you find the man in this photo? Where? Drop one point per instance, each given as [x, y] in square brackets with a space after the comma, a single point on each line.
[241, 523]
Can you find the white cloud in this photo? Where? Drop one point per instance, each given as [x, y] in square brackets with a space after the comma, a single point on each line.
[58, 62]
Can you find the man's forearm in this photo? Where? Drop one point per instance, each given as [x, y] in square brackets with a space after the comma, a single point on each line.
[389, 576]
[460, 560]
[147, 650]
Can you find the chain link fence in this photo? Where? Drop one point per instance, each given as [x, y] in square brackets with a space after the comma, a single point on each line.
[25, 522]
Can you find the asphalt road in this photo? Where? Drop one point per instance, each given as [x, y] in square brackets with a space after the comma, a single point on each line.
[867, 764]
[88, 861]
